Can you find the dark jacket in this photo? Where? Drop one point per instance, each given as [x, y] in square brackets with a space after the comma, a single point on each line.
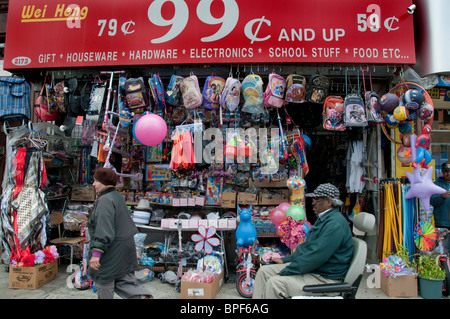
[327, 251]
[441, 205]
[111, 231]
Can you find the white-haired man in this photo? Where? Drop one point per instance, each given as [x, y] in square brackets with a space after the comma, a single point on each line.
[323, 258]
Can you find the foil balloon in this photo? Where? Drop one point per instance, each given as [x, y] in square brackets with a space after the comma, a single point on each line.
[422, 186]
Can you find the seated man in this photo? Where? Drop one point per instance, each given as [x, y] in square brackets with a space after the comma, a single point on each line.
[323, 258]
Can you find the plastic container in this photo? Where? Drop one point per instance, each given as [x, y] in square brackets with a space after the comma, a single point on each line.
[430, 288]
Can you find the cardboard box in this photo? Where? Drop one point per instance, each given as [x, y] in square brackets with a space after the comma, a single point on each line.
[196, 290]
[268, 184]
[247, 199]
[275, 199]
[400, 286]
[228, 200]
[83, 193]
[32, 277]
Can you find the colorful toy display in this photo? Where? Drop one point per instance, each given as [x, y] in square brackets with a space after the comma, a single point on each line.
[293, 232]
[205, 240]
[425, 236]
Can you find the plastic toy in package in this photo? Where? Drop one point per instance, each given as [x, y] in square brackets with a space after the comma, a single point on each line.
[210, 263]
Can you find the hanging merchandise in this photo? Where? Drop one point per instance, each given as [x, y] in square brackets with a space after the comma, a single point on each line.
[231, 94]
[230, 97]
[413, 105]
[214, 188]
[397, 220]
[372, 103]
[97, 95]
[135, 94]
[252, 91]
[77, 102]
[295, 88]
[173, 93]
[190, 92]
[14, 97]
[422, 186]
[356, 209]
[408, 218]
[355, 170]
[24, 203]
[274, 95]
[14, 101]
[333, 113]
[422, 145]
[282, 140]
[42, 108]
[158, 93]
[183, 156]
[301, 144]
[125, 114]
[318, 88]
[355, 115]
[212, 91]
[392, 220]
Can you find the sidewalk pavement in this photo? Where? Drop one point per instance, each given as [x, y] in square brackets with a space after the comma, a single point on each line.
[61, 288]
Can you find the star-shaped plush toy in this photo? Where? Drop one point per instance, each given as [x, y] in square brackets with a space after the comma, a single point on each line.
[422, 185]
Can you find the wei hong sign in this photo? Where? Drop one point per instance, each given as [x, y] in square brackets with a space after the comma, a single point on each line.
[56, 34]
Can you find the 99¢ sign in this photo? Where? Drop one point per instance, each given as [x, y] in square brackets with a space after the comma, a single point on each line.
[180, 19]
[114, 32]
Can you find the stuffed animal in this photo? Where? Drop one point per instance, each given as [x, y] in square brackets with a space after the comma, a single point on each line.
[246, 232]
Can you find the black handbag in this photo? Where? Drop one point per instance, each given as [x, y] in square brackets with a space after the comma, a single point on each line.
[77, 104]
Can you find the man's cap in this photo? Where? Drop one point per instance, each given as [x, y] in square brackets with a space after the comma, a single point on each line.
[446, 166]
[325, 190]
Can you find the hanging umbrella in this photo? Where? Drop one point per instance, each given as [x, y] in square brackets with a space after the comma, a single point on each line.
[424, 236]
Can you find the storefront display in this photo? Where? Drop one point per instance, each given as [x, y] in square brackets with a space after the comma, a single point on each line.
[217, 129]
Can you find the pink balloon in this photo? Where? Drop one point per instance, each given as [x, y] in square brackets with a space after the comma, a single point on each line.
[150, 129]
[277, 216]
[284, 206]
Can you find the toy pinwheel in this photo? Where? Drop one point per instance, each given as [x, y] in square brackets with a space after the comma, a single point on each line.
[204, 239]
[424, 235]
[292, 232]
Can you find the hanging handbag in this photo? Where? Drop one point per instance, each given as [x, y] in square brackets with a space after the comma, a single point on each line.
[59, 96]
[41, 109]
[77, 104]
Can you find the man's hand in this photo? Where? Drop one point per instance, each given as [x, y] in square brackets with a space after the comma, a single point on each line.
[276, 260]
[94, 263]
